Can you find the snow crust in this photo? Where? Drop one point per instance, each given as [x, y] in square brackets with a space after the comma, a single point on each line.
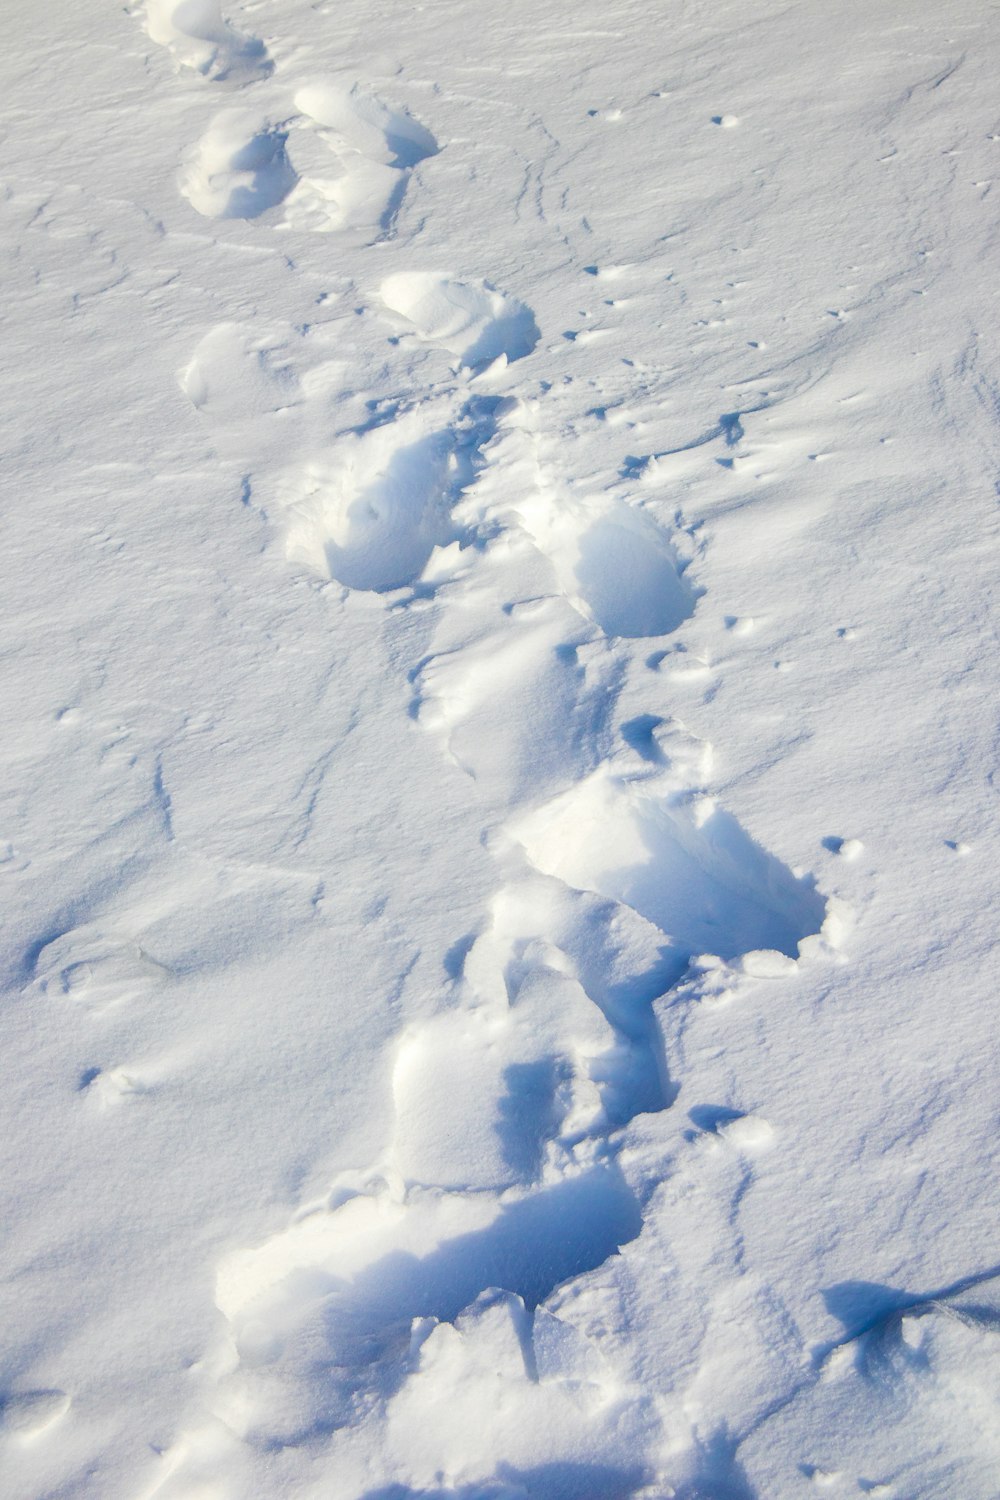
[499, 841]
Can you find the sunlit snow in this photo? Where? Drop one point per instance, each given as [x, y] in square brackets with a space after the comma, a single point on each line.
[499, 834]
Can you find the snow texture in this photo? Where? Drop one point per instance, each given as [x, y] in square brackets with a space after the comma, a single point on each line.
[498, 821]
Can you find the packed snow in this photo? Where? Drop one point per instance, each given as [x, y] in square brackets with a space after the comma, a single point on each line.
[499, 825]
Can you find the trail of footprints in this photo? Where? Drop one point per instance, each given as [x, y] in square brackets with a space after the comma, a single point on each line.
[329, 159]
[389, 1300]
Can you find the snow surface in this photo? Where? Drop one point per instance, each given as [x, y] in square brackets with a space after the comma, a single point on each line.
[499, 825]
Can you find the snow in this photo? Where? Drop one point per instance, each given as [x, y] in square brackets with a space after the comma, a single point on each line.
[498, 801]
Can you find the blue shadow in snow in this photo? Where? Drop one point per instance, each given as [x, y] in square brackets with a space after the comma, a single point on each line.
[713, 889]
[272, 176]
[514, 333]
[638, 735]
[872, 1315]
[531, 1248]
[708, 1117]
[527, 1115]
[556, 1481]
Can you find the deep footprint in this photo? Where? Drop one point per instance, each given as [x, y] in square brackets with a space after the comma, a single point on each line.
[198, 38]
[371, 516]
[353, 157]
[342, 1289]
[678, 860]
[239, 169]
[630, 576]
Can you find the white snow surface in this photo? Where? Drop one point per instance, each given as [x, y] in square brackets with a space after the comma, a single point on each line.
[499, 831]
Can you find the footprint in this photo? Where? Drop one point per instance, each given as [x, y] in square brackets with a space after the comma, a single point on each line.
[372, 513]
[563, 1422]
[574, 1063]
[630, 576]
[445, 1082]
[478, 694]
[200, 39]
[611, 560]
[590, 969]
[239, 169]
[470, 319]
[111, 1087]
[487, 1093]
[515, 683]
[361, 124]
[555, 1402]
[677, 859]
[374, 149]
[616, 561]
[340, 1290]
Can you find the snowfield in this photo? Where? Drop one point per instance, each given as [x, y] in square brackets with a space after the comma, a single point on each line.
[499, 832]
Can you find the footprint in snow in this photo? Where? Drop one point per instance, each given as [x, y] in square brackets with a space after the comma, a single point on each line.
[354, 1290]
[370, 514]
[239, 169]
[353, 156]
[485, 1094]
[201, 41]
[624, 568]
[652, 842]
[341, 163]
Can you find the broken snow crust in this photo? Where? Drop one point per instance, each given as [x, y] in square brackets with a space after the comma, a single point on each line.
[498, 830]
